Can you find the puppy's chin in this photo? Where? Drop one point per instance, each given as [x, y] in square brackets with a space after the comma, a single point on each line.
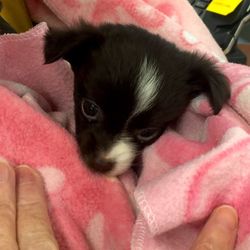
[118, 169]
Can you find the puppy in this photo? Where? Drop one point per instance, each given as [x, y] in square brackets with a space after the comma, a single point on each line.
[130, 85]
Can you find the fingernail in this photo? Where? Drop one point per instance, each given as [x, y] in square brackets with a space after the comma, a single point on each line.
[4, 171]
[226, 216]
[25, 174]
[2, 160]
[205, 246]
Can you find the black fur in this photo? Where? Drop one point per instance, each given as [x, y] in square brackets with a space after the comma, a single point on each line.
[106, 62]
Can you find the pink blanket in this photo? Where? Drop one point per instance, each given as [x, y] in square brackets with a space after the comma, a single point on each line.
[186, 173]
[88, 211]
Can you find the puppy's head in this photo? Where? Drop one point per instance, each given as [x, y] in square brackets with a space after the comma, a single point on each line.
[130, 85]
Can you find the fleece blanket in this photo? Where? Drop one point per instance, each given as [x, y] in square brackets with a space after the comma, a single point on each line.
[186, 173]
[87, 211]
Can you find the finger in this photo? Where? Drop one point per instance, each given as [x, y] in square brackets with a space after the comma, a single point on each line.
[220, 231]
[33, 225]
[7, 207]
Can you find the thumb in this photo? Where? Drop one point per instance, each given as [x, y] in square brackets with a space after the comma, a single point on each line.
[220, 231]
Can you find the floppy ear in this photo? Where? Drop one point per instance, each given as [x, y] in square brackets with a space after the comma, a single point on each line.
[72, 44]
[207, 79]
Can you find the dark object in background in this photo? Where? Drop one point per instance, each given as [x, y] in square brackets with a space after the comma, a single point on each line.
[246, 49]
[5, 27]
[225, 29]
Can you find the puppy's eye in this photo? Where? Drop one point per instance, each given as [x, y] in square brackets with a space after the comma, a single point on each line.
[147, 134]
[91, 110]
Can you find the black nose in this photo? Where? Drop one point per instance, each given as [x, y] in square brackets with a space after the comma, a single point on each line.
[101, 165]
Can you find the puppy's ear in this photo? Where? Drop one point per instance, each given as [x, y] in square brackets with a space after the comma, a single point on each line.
[206, 78]
[72, 44]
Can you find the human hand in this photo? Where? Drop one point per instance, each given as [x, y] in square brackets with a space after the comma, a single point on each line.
[24, 218]
[220, 231]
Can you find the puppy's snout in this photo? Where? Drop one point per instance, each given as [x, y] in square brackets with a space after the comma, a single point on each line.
[102, 165]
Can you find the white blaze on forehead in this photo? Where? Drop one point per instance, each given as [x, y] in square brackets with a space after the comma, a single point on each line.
[122, 153]
[147, 86]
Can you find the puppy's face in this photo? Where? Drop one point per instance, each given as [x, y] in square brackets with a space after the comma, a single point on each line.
[130, 85]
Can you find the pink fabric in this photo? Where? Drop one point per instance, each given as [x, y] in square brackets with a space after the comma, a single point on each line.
[88, 211]
[187, 172]
[38, 102]
[174, 20]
